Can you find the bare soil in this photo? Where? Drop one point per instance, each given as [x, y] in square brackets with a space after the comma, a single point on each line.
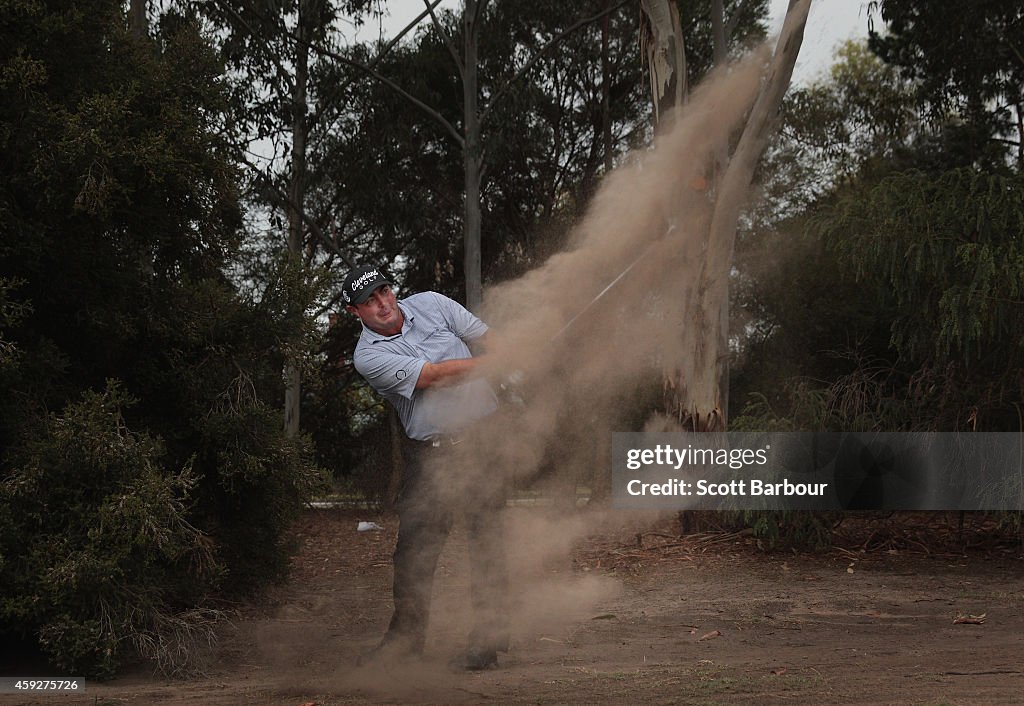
[632, 617]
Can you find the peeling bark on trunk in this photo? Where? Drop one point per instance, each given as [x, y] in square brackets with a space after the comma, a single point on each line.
[720, 55]
[696, 397]
[661, 42]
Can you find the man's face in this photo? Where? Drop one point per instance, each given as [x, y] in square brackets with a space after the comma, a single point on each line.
[380, 312]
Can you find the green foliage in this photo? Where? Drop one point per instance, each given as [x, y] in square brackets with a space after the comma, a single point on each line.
[542, 140]
[95, 545]
[746, 20]
[873, 396]
[215, 393]
[790, 529]
[863, 111]
[256, 42]
[967, 64]
[890, 297]
[118, 222]
[855, 121]
[543, 143]
[11, 310]
[791, 350]
[950, 248]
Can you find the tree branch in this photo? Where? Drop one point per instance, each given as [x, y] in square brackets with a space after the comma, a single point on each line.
[718, 32]
[448, 43]
[431, 112]
[284, 200]
[751, 146]
[479, 10]
[408, 28]
[281, 71]
[734, 19]
[391, 44]
[536, 57]
[1016, 53]
[368, 69]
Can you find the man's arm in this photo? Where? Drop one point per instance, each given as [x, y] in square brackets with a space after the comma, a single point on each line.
[448, 372]
[452, 372]
[479, 345]
[472, 331]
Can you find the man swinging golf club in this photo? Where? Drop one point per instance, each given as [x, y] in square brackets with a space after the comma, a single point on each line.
[415, 354]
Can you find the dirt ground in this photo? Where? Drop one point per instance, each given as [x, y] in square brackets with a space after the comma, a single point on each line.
[701, 619]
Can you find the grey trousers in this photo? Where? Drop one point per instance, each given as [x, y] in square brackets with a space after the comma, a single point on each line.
[425, 509]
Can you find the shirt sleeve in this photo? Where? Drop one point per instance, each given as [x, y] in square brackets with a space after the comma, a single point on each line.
[461, 321]
[388, 372]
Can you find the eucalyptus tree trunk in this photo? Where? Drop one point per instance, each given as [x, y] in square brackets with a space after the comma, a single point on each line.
[718, 45]
[472, 154]
[469, 139]
[697, 388]
[1020, 135]
[138, 22]
[719, 56]
[697, 399]
[662, 47]
[296, 196]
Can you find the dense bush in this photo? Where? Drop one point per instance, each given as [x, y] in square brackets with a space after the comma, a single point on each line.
[96, 551]
[120, 218]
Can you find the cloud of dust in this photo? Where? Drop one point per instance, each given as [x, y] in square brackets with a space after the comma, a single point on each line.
[652, 212]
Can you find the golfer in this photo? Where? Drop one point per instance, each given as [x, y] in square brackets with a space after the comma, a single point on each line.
[415, 354]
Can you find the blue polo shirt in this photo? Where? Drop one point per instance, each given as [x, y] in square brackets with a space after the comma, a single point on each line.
[436, 329]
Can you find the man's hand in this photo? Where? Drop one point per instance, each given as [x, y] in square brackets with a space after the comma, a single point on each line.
[496, 356]
[510, 389]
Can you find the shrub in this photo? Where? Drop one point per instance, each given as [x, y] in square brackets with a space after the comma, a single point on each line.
[255, 480]
[96, 554]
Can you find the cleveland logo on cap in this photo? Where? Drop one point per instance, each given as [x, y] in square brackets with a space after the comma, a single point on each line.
[363, 279]
[357, 284]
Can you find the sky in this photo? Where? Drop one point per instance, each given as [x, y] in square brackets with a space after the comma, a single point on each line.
[830, 23]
